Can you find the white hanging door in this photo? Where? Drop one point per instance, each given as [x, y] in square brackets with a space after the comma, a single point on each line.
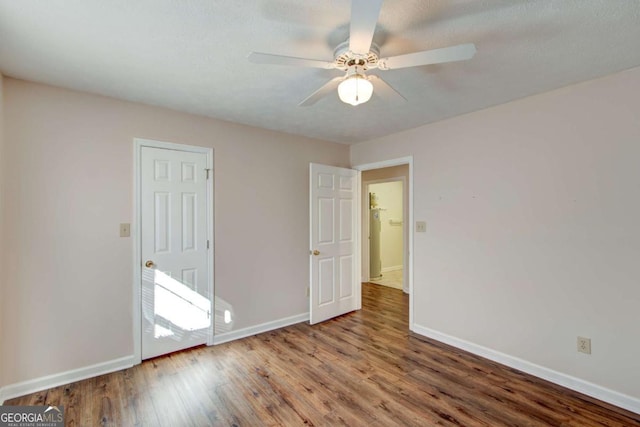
[335, 288]
[175, 250]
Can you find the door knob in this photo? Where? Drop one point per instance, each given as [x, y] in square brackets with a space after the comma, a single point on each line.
[149, 264]
[316, 252]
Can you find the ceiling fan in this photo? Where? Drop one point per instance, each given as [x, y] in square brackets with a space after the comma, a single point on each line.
[359, 54]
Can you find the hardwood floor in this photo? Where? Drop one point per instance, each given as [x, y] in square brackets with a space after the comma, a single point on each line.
[361, 369]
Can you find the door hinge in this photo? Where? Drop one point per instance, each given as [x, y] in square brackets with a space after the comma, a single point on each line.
[207, 171]
[207, 244]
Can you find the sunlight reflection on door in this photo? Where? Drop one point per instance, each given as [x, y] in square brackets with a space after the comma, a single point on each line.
[174, 310]
[178, 308]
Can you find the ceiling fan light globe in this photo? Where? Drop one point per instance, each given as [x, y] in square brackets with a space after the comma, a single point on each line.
[355, 90]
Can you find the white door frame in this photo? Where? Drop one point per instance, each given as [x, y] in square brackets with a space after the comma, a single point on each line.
[384, 164]
[136, 229]
[365, 227]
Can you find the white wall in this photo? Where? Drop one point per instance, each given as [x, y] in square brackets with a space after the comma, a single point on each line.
[532, 235]
[69, 183]
[390, 199]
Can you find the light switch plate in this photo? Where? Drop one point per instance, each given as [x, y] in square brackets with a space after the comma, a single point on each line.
[125, 230]
[421, 226]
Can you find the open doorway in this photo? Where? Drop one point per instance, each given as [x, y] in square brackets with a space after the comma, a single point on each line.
[386, 227]
[391, 181]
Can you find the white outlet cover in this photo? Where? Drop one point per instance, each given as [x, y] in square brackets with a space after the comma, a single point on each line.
[584, 345]
[421, 226]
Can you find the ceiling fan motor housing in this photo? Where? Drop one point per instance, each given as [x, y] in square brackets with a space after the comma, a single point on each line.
[345, 59]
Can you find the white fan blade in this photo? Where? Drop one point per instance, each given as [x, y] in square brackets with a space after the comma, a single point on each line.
[385, 90]
[328, 87]
[364, 17]
[426, 57]
[267, 58]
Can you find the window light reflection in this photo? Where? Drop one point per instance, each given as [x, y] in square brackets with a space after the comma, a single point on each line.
[180, 305]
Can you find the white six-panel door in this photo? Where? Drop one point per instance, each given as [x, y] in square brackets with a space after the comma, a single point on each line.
[176, 304]
[335, 287]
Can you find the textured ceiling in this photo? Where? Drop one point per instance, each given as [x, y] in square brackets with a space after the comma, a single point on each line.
[191, 55]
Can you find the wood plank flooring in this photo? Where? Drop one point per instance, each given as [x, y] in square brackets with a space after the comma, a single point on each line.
[361, 369]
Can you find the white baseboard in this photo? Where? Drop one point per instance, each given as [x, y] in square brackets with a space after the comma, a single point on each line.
[31, 386]
[392, 268]
[606, 395]
[258, 329]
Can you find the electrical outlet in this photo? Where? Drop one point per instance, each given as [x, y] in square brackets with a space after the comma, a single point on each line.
[421, 226]
[125, 230]
[584, 345]
[308, 292]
